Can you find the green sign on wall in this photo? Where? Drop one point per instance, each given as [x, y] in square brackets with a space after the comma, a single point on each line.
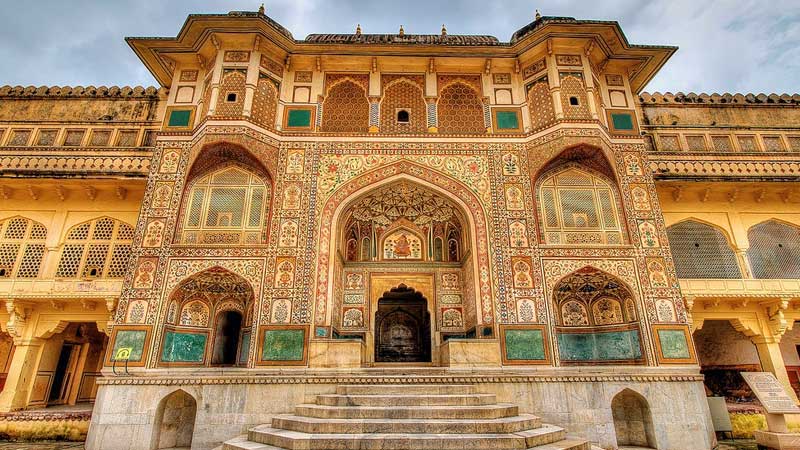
[184, 347]
[673, 344]
[524, 345]
[622, 121]
[130, 339]
[283, 345]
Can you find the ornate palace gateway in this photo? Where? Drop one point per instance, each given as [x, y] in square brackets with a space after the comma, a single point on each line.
[371, 240]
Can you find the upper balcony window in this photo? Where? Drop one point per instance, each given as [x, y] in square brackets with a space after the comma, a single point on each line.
[22, 247]
[774, 250]
[701, 251]
[96, 249]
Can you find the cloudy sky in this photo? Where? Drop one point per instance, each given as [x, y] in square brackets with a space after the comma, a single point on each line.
[725, 45]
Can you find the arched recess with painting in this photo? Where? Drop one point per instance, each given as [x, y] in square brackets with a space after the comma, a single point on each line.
[227, 199]
[578, 200]
[208, 321]
[596, 319]
[404, 238]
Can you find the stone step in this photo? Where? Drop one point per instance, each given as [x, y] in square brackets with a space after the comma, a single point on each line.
[566, 444]
[408, 412]
[406, 400]
[521, 422]
[242, 443]
[545, 434]
[292, 440]
[430, 389]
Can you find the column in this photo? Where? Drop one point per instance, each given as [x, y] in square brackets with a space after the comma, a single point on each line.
[253, 73]
[769, 353]
[216, 76]
[555, 86]
[21, 374]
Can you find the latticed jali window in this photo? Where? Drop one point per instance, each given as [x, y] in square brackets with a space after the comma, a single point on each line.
[226, 207]
[96, 249]
[701, 251]
[578, 207]
[22, 246]
[460, 110]
[346, 108]
[774, 250]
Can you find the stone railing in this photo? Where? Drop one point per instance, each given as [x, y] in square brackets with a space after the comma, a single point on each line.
[740, 288]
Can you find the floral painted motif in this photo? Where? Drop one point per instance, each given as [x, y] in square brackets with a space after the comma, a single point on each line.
[648, 234]
[154, 233]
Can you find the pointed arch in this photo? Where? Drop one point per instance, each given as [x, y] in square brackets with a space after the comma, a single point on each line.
[218, 304]
[633, 422]
[174, 422]
[460, 107]
[97, 248]
[23, 243]
[702, 250]
[227, 199]
[593, 309]
[472, 208]
[774, 250]
[403, 93]
[346, 107]
[578, 200]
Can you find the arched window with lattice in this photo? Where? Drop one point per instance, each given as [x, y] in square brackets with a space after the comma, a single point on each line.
[460, 108]
[579, 206]
[265, 101]
[96, 249]
[22, 247]
[701, 251]
[226, 206]
[346, 106]
[774, 250]
[403, 108]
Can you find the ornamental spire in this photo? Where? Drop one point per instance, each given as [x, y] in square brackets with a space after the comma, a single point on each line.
[402, 31]
[358, 30]
[444, 30]
[261, 9]
[538, 15]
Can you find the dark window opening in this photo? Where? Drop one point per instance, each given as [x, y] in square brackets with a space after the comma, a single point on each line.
[231, 97]
[226, 344]
[574, 101]
[3, 271]
[403, 116]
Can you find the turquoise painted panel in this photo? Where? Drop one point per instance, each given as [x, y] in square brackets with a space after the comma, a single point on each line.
[601, 346]
[283, 345]
[673, 344]
[322, 332]
[524, 345]
[179, 118]
[299, 118]
[245, 348]
[622, 121]
[184, 347]
[507, 120]
[132, 339]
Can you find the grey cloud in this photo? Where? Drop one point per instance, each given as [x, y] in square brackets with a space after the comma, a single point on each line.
[725, 45]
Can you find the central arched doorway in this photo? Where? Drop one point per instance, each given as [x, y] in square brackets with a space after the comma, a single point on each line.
[402, 327]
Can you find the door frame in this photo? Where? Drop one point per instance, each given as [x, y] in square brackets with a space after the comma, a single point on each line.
[424, 283]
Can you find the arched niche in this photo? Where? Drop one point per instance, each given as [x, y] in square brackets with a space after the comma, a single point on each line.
[701, 250]
[174, 422]
[578, 200]
[597, 319]
[774, 250]
[208, 320]
[227, 199]
[633, 422]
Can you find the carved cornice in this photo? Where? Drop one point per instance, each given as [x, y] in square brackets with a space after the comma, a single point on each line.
[399, 379]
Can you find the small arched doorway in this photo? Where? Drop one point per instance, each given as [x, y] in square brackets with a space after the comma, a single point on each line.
[633, 424]
[226, 338]
[174, 423]
[402, 327]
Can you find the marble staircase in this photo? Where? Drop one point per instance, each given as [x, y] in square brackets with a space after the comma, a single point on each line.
[406, 417]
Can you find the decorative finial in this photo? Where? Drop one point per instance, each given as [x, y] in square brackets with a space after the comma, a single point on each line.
[402, 31]
[261, 9]
[358, 30]
[538, 15]
[444, 30]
